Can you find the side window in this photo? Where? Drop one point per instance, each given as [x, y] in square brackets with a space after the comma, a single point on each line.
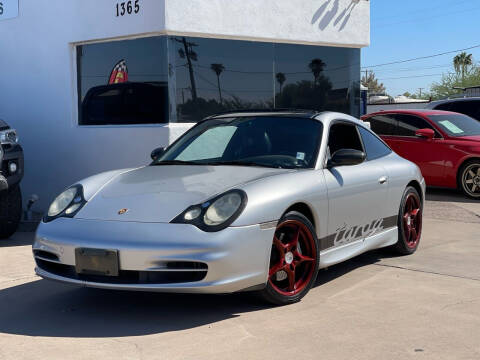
[382, 124]
[470, 108]
[444, 106]
[343, 136]
[408, 124]
[374, 147]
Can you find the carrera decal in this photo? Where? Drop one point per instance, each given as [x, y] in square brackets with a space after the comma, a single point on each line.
[345, 234]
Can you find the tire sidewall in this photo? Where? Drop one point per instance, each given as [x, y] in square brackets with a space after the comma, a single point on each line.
[461, 177]
[401, 245]
[269, 293]
[10, 211]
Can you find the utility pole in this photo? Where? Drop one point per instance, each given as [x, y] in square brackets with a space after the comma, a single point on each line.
[187, 46]
[420, 92]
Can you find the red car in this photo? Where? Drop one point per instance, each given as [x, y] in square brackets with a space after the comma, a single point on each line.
[445, 145]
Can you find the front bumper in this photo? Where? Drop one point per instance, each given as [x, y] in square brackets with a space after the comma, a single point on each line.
[234, 259]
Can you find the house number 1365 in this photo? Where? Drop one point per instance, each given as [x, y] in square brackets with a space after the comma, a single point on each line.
[128, 7]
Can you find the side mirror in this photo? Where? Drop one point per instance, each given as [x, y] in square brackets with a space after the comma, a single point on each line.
[346, 157]
[425, 133]
[157, 153]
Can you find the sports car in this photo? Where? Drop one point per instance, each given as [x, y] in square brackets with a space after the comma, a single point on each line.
[246, 201]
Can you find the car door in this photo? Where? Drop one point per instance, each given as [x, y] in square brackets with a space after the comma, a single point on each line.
[428, 154]
[356, 195]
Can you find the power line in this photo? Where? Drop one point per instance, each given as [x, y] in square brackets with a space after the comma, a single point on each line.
[421, 57]
[422, 19]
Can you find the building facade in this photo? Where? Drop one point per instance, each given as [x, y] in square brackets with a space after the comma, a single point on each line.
[96, 85]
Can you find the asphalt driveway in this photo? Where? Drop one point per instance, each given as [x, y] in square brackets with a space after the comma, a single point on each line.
[425, 306]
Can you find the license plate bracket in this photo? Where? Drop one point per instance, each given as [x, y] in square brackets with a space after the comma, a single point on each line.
[96, 262]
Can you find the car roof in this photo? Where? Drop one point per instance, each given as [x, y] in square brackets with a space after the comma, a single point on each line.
[420, 112]
[268, 112]
[446, 101]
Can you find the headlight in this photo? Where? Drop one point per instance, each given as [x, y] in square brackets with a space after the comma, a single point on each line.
[8, 137]
[222, 209]
[215, 214]
[67, 204]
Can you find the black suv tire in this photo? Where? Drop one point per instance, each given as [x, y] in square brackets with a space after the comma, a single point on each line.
[10, 211]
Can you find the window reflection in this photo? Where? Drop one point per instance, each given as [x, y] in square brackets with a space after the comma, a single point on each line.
[317, 77]
[184, 79]
[123, 82]
[214, 76]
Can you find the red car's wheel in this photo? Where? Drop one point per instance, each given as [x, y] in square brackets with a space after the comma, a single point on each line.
[469, 180]
[409, 222]
[293, 260]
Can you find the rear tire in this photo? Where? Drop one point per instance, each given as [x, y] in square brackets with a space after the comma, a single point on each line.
[294, 260]
[469, 179]
[409, 222]
[10, 211]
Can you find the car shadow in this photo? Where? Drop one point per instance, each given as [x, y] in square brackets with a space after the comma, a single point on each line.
[50, 309]
[18, 239]
[448, 195]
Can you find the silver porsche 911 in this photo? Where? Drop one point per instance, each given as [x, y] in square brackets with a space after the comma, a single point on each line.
[240, 202]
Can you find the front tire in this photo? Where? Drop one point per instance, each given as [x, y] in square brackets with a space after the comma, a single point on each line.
[409, 222]
[10, 211]
[469, 179]
[294, 260]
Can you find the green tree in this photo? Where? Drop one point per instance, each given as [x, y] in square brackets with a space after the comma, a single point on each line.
[316, 66]
[407, 94]
[466, 74]
[462, 62]
[371, 82]
[218, 69]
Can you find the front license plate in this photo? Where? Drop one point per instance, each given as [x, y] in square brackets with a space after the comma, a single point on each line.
[96, 262]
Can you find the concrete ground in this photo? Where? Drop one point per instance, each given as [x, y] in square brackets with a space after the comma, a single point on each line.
[425, 306]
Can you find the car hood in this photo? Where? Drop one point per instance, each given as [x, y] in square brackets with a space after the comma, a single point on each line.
[160, 193]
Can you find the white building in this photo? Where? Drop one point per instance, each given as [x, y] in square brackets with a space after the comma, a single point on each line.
[185, 60]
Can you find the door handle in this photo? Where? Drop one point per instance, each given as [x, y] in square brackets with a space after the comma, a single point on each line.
[383, 180]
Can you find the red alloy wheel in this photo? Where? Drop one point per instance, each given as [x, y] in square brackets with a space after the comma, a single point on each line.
[293, 258]
[412, 220]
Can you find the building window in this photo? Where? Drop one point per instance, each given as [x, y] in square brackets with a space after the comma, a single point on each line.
[123, 82]
[184, 79]
[213, 76]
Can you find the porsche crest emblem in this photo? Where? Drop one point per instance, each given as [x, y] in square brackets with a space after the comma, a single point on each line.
[122, 211]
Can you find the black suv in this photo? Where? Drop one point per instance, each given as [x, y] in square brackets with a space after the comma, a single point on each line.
[467, 106]
[11, 172]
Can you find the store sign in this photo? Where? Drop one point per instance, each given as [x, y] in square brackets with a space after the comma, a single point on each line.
[8, 9]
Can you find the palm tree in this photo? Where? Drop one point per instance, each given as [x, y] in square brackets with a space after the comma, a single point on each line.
[461, 62]
[218, 69]
[316, 66]
[281, 78]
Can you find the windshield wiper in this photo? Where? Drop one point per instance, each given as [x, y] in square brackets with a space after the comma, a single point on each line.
[176, 162]
[240, 163]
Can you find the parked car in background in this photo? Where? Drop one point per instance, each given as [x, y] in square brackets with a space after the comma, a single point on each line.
[11, 173]
[467, 106]
[445, 145]
[243, 201]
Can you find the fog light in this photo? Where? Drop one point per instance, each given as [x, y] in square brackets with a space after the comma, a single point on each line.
[12, 167]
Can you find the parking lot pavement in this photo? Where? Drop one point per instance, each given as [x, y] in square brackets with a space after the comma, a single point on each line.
[425, 306]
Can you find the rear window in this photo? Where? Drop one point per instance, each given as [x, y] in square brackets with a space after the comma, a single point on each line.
[457, 125]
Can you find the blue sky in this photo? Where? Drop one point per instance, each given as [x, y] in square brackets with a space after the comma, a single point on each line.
[404, 29]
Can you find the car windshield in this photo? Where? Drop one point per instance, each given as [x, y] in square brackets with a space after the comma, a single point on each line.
[268, 141]
[457, 125]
